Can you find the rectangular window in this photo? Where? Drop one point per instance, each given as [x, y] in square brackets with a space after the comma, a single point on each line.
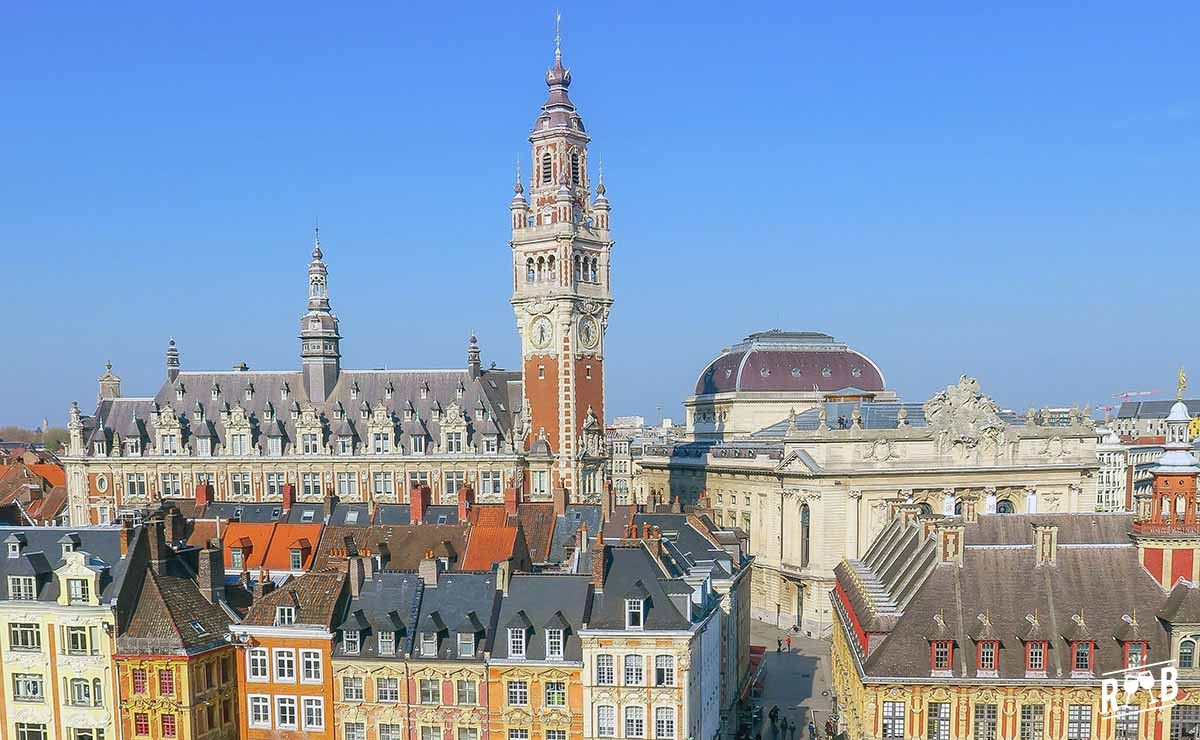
[275, 482]
[80, 692]
[166, 682]
[466, 733]
[431, 733]
[237, 558]
[541, 481]
[466, 645]
[556, 735]
[21, 588]
[556, 694]
[893, 720]
[356, 731]
[1134, 654]
[260, 711]
[431, 691]
[664, 670]
[310, 666]
[606, 721]
[987, 656]
[168, 725]
[554, 644]
[135, 485]
[1079, 722]
[310, 485]
[285, 615]
[77, 640]
[345, 445]
[939, 721]
[239, 485]
[256, 667]
[515, 734]
[171, 485]
[387, 690]
[664, 723]
[1033, 722]
[1036, 658]
[285, 665]
[314, 713]
[455, 479]
[24, 636]
[489, 483]
[352, 688]
[516, 642]
[285, 712]
[383, 485]
[239, 444]
[1128, 726]
[78, 591]
[453, 441]
[941, 655]
[635, 722]
[468, 693]
[1083, 656]
[605, 670]
[387, 642]
[275, 446]
[141, 724]
[418, 444]
[428, 644]
[203, 447]
[382, 442]
[389, 731]
[350, 641]
[633, 614]
[28, 687]
[518, 693]
[986, 727]
[1185, 721]
[634, 670]
[311, 444]
[347, 484]
[490, 443]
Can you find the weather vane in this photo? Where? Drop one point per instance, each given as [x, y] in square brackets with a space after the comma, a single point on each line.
[1182, 384]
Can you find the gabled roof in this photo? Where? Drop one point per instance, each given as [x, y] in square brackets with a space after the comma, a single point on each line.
[443, 607]
[43, 553]
[315, 596]
[171, 616]
[487, 546]
[399, 547]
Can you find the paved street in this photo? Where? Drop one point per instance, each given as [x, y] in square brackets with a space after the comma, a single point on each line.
[797, 682]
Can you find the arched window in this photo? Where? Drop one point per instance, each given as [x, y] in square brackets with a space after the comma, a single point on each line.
[1004, 506]
[958, 508]
[550, 273]
[1180, 506]
[529, 274]
[1187, 653]
[592, 272]
[541, 267]
[804, 535]
[578, 270]
[547, 169]
[97, 694]
[925, 509]
[575, 168]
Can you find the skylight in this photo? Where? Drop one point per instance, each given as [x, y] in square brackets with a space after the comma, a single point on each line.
[199, 628]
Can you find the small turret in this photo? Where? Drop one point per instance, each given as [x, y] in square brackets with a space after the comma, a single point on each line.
[110, 384]
[473, 360]
[172, 361]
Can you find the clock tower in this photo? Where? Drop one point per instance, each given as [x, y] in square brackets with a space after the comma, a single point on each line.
[561, 248]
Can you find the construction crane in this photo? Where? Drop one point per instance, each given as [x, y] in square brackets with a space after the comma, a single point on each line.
[1133, 394]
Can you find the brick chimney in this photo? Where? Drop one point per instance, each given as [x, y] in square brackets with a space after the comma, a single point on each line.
[510, 500]
[606, 502]
[560, 500]
[676, 506]
[1045, 543]
[654, 542]
[356, 575]
[599, 552]
[908, 513]
[418, 501]
[123, 537]
[289, 496]
[210, 573]
[204, 495]
[950, 542]
[174, 524]
[503, 576]
[429, 569]
[330, 501]
[158, 545]
[466, 499]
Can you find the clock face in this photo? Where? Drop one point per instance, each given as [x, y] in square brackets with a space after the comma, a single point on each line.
[589, 333]
[541, 332]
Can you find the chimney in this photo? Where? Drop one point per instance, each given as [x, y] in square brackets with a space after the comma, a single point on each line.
[503, 575]
[429, 570]
[355, 574]
[654, 542]
[928, 525]
[466, 499]
[970, 508]
[560, 500]
[950, 542]
[289, 496]
[368, 564]
[158, 547]
[606, 502]
[174, 524]
[370, 510]
[210, 573]
[676, 507]
[510, 500]
[204, 495]
[418, 500]
[908, 513]
[123, 537]
[244, 579]
[645, 530]
[598, 557]
[260, 588]
[330, 502]
[1045, 543]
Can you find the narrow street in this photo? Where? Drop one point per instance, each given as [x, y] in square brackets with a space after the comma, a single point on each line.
[796, 681]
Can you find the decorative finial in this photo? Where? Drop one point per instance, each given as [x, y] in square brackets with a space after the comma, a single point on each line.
[108, 365]
[1182, 384]
[517, 187]
[557, 36]
[316, 253]
[600, 189]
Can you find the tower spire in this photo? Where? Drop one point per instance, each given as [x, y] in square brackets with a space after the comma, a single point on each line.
[558, 36]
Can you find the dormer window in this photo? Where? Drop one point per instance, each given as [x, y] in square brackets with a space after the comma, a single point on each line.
[428, 644]
[237, 558]
[135, 446]
[466, 645]
[351, 641]
[216, 391]
[100, 448]
[1135, 654]
[14, 549]
[285, 615]
[354, 390]
[179, 392]
[249, 392]
[940, 654]
[516, 642]
[387, 391]
[345, 445]
[284, 392]
[633, 614]
[78, 590]
[988, 650]
[458, 392]
[387, 642]
[1187, 653]
[1081, 656]
[22, 588]
[418, 444]
[67, 547]
[297, 559]
[554, 643]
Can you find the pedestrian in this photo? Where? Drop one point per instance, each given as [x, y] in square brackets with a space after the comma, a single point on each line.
[829, 727]
[812, 729]
[789, 643]
[779, 644]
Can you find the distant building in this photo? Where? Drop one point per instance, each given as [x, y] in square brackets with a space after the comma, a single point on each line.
[1148, 418]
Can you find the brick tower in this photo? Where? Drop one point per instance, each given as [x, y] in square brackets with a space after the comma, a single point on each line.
[561, 247]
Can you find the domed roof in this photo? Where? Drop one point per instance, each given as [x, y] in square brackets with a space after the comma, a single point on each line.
[1179, 412]
[789, 362]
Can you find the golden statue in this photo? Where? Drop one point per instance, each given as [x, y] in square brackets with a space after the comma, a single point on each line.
[1182, 384]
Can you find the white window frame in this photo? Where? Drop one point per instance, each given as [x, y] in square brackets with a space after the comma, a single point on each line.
[635, 607]
[516, 643]
[634, 673]
[664, 723]
[280, 676]
[262, 701]
[554, 644]
[354, 688]
[258, 676]
[606, 720]
[280, 701]
[310, 662]
[319, 703]
[606, 670]
[517, 693]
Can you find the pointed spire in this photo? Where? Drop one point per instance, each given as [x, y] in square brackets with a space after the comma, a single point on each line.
[600, 189]
[518, 188]
[317, 253]
[558, 35]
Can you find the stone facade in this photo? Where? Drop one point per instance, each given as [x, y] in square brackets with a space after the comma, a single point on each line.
[809, 495]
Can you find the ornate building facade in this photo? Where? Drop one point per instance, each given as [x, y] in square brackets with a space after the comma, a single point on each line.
[374, 435]
[810, 491]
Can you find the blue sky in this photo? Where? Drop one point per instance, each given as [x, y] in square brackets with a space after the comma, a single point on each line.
[1006, 190]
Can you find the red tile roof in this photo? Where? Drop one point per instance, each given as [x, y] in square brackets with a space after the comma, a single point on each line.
[488, 515]
[255, 537]
[54, 474]
[289, 537]
[488, 546]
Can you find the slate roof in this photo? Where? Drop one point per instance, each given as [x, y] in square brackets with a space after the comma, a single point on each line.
[898, 589]
[492, 391]
[42, 554]
[687, 545]
[402, 514]
[777, 361]
[386, 602]
[566, 527]
[548, 601]
[315, 595]
[1155, 409]
[444, 607]
[629, 572]
[250, 513]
